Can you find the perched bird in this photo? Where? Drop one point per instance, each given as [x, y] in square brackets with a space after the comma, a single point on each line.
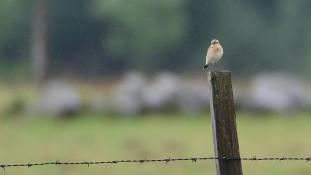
[214, 53]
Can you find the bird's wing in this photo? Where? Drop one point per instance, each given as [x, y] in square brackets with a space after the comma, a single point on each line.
[208, 53]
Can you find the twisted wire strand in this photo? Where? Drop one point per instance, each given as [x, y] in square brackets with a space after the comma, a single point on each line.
[166, 160]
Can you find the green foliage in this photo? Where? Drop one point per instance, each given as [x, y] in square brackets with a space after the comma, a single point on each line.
[14, 30]
[113, 36]
[140, 30]
[75, 37]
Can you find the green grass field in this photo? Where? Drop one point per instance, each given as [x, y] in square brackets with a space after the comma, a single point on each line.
[26, 140]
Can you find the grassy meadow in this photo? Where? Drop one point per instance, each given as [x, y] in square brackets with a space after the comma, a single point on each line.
[96, 137]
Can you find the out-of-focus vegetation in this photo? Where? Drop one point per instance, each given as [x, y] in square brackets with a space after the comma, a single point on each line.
[137, 94]
[97, 36]
[153, 136]
[98, 40]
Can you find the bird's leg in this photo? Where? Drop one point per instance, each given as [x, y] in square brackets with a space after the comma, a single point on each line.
[216, 69]
[212, 67]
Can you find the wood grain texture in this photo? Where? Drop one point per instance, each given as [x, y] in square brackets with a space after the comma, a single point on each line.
[224, 124]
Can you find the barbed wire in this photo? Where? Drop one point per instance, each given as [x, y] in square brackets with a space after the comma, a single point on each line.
[167, 160]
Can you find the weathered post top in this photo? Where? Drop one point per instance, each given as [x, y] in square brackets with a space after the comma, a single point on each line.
[223, 123]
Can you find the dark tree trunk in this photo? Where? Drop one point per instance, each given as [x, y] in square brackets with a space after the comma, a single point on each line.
[39, 41]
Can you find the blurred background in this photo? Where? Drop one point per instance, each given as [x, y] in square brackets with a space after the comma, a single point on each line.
[98, 79]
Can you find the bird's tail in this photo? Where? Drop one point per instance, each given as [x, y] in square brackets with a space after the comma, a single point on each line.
[206, 66]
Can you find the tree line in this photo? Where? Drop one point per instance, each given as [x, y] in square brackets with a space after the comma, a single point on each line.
[96, 37]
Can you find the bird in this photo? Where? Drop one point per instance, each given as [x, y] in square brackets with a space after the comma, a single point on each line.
[214, 53]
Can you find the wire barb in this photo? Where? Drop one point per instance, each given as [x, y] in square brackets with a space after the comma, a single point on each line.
[167, 160]
[3, 167]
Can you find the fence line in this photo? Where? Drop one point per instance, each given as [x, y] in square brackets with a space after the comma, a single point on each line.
[167, 160]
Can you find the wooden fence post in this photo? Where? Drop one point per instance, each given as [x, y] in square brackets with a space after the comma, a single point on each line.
[224, 125]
